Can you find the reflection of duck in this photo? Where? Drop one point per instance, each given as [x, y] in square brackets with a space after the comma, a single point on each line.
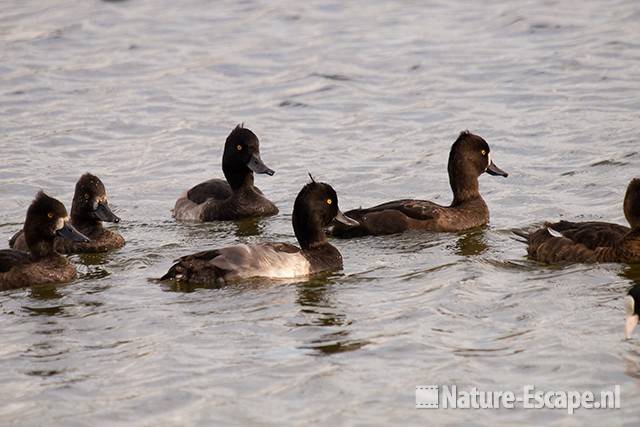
[469, 158]
[315, 207]
[235, 198]
[472, 243]
[590, 241]
[46, 219]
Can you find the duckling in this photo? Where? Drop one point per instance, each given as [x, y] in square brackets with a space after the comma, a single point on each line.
[89, 208]
[235, 198]
[590, 242]
[46, 219]
[315, 207]
[470, 157]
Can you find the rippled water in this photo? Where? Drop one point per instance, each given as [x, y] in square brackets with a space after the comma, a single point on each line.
[367, 96]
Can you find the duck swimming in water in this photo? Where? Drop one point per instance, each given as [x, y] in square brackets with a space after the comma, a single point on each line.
[235, 198]
[470, 157]
[591, 241]
[46, 219]
[89, 209]
[315, 207]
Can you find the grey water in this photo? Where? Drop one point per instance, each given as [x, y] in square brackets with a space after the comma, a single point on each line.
[367, 96]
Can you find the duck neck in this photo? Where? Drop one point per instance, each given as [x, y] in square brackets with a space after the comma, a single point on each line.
[82, 218]
[39, 247]
[307, 230]
[238, 179]
[464, 183]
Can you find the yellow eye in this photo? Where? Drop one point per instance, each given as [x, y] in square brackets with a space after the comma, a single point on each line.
[50, 215]
[484, 152]
[239, 147]
[329, 201]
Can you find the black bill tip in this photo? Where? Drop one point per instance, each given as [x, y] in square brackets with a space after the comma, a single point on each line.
[257, 166]
[495, 170]
[103, 213]
[345, 220]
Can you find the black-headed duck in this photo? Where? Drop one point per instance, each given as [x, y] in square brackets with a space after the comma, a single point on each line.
[235, 198]
[89, 209]
[46, 219]
[470, 157]
[592, 241]
[314, 208]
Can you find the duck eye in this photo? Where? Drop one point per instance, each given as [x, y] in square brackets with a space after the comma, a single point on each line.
[329, 201]
[50, 214]
[239, 147]
[484, 152]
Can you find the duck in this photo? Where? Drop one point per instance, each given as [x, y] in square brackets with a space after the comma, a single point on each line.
[589, 242]
[470, 157]
[236, 197]
[90, 207]
[46, 220]
[632, 311]
[314, 208]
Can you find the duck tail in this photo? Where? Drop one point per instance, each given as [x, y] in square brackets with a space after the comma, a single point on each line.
[173, 272]
[521, 233]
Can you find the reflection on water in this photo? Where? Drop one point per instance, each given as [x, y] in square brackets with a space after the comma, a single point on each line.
[318, 308]
[471, 243]
[249, 227]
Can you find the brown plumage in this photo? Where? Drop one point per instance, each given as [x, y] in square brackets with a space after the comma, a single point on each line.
[469, 158]
[89, 209]
[46, 219]
[590, 241]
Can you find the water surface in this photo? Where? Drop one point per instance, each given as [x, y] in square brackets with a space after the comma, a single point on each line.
[367, 96]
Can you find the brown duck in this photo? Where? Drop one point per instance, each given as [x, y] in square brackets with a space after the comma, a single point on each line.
[46, 219]
[89, 209]
[470, 157]
[592, 241]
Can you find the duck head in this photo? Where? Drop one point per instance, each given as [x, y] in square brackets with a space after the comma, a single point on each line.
[241, 158]
[316, 206]
[90, 203]
[46, 219]
[632, 203]
[470, 157]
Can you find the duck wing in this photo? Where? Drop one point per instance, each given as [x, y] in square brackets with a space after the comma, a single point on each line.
[416, 209]
[387, 218]
[218, 189]
[592, 234]
[10, 258]
[18, 241]
[546, 247]
[278, 260]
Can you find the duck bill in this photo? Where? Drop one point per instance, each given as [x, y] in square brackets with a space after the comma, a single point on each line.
[494, 170]
[104, 213]
[69, 232]
[345, 220]
[629, 325]
[257, 166]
